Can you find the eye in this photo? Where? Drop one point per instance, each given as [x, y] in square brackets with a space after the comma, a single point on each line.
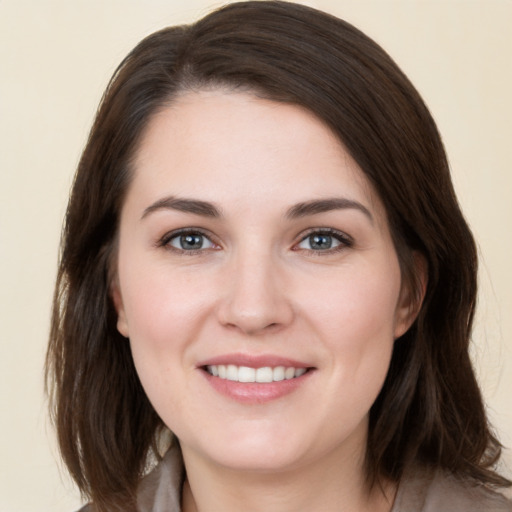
[327, 240]
[187, 241]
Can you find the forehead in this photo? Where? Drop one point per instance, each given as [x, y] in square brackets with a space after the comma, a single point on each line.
[220, 144]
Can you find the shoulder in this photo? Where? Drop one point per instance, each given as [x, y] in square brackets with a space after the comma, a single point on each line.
[442, 492]
[455, 495]
[160, 489]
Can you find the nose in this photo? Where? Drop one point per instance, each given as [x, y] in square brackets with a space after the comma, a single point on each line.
[255, 299]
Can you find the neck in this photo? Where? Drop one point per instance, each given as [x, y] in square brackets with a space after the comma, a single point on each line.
[331, 484]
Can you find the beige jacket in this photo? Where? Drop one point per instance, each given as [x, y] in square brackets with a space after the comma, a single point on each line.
[419, 492]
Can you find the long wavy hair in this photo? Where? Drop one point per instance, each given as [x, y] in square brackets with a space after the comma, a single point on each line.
[430, 410]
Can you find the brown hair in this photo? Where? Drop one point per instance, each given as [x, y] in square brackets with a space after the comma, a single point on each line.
[430, 409]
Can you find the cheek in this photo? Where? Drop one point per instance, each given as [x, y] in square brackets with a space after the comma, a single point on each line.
[156, 290]
[165, 313]
[157, 305]
[358, 306]
[355, 316]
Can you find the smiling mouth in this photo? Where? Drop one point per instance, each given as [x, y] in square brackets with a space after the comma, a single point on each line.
[246, 374]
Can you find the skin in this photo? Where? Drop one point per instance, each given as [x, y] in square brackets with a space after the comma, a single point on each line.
[259, 286]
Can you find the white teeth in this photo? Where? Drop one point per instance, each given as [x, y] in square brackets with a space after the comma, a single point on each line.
[300, 371]
[246, 374]
[289, 373]
[278, 373]
[262, 375]
[232, 372]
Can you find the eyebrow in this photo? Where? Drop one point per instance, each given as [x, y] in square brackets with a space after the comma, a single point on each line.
[326, 205]
[194, 206]
[304, 209]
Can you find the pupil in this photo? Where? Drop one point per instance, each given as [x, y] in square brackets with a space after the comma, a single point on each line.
[191, 241]
[321, 241]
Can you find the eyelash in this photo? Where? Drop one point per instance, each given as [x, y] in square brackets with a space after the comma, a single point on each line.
[344, 240]
[165, 241]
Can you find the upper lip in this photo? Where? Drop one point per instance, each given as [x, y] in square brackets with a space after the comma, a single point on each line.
[253, 361]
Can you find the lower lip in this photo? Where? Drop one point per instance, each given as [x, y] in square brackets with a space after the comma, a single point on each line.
[255, 392]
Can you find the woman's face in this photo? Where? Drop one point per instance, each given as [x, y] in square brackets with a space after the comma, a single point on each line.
[257, 283]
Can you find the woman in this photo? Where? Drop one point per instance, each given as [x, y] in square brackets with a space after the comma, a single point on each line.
[263, 254]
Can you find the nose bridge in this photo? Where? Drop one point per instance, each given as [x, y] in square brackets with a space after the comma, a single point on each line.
[256, 298]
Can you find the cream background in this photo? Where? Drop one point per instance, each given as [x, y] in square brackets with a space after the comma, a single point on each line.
[55, 59]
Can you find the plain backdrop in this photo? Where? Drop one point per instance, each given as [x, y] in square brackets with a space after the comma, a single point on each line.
[56, 57]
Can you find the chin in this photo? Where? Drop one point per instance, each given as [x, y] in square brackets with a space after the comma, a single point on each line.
[269, 460]
[254, 451]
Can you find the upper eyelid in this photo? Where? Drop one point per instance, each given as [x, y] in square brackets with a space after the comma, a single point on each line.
[325, 230]
[169, 235]
[345, 242]
[343, 236]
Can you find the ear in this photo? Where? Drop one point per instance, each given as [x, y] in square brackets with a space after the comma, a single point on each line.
[117, 299]
[411, 296]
